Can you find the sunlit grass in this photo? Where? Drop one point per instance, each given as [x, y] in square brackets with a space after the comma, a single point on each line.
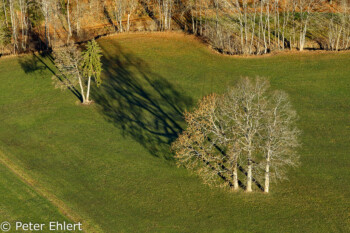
[111, 164]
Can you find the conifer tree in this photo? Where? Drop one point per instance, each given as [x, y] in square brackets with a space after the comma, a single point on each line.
[91, 65]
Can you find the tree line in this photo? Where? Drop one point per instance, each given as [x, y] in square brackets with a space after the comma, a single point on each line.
[261, 26]
[55, 22]
[230, 26]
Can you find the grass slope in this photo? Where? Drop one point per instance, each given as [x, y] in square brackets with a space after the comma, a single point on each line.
[19, 202]
[110, 162]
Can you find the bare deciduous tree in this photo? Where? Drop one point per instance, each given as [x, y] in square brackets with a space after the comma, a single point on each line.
[280, 138]
[68, 61]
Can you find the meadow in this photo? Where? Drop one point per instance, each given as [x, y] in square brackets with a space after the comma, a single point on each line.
[109, 164]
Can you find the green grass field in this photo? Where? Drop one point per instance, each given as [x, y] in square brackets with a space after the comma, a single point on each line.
[110, 165]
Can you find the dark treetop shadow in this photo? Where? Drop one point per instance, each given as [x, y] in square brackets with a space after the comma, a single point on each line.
[143, 104]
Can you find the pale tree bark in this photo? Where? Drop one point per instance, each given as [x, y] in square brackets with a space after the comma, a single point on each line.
[252, 103]
[46, 8]
[128, 23]
[119, 10]
[77, 17]
[14, 26]
[81, 89]
[252, 32]
[68, 21]
[268, 22]
[166, 11]
[306, 8]
[267, 173]
[130, 8]
[235, 176]
[346, 22]
[5, 12]
[88, 90]
[24, 23]
[170, 14]
[249, 172]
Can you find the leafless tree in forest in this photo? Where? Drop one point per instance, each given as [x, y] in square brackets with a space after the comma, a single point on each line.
[130, 8]
[119, 10]
[46, 7]
[68, 21]
[306, 9]
[23, 6]
[13, 25]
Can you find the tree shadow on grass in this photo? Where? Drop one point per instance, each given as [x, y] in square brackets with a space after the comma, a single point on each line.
[41, 63]
[143, 104]
[34, 63]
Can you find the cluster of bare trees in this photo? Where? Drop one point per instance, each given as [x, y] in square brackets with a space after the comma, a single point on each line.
[122, 8]
[22, 18]
[165, 13]
[161, 11]
[248, 130]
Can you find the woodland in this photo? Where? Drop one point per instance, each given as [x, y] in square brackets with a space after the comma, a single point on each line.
[229, 26]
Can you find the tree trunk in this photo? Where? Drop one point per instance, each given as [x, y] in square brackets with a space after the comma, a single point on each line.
[5, 13]
[267, 173]
[13, 25]
[165, 8]
[128, 26]
[192, 18]
[235, 177]
[249, 175]
[82, 90]
[170, 15]
[249, 178]
[88, 91]
[120, 19]
[77, 19]
[68, 21]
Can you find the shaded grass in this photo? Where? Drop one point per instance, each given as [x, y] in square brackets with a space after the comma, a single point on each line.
[110, 162]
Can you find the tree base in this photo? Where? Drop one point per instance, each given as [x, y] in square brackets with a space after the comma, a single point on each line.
[86, 103]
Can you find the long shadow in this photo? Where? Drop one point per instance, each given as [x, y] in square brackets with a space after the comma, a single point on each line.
[143, 104]
[149, 12]
[42, 62]
[109, 18]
